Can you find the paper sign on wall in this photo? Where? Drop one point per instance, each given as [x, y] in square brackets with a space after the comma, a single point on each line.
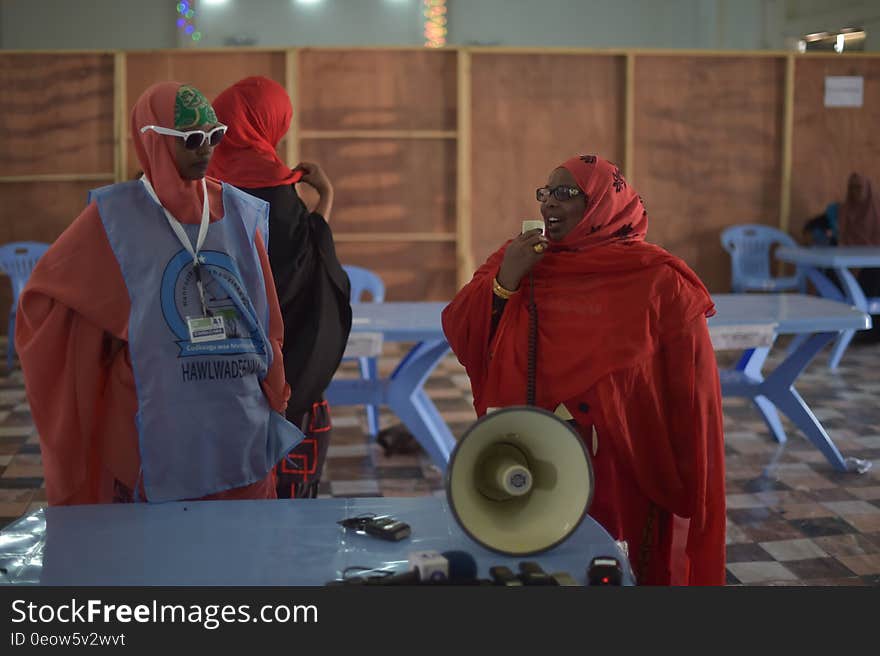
[844, 90]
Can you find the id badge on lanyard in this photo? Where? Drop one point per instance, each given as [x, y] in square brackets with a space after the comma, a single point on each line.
[208, 327]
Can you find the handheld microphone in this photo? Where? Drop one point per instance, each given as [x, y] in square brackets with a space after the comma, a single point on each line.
[533, 224]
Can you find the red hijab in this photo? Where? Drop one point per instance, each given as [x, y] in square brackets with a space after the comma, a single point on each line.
[859, 215]
[257, 111]
[183, 198]
[604, 298]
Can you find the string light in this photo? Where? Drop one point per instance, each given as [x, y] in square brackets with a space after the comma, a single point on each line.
[186, 22]
[435, 23]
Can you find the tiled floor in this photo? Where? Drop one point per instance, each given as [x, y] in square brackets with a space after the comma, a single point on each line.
[792, 520]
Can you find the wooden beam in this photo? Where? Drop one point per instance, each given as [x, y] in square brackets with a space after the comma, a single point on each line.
[654, 52]
[291, 83]
[787, 134]
[532, 50]
[378, 134]
[463, 243]
[397, 237]
[120, 117]
[629, 103]
[59, 177]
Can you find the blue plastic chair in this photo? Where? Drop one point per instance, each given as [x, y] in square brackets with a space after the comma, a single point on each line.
[364, 281]
[750, 248]
[17, 260]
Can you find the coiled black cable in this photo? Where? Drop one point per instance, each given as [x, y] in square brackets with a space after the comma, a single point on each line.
[533, 343]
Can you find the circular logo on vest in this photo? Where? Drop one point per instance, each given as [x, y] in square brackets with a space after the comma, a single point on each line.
[225, 296]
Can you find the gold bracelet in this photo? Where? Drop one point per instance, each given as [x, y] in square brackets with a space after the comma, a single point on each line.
[500, 291]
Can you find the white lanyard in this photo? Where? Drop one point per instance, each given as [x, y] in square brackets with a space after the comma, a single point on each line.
[184, 238]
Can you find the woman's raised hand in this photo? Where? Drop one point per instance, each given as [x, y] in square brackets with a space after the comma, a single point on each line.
[524, 252]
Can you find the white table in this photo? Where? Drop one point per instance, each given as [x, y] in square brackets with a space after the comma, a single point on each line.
[819, 321]
[403, 391]
[841, 259]
[284, 542]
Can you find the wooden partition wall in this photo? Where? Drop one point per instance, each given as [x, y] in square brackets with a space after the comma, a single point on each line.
[435, 154]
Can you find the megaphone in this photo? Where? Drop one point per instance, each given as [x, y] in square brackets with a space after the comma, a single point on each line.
[519, 481]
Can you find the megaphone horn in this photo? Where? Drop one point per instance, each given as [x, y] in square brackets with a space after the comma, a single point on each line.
[519, 481]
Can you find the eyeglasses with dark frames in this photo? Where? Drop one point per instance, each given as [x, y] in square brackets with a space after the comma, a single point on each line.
[561, 193]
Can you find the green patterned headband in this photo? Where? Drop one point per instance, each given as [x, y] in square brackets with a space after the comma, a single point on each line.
[192, 109]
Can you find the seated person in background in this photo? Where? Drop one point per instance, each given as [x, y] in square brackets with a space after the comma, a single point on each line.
[622, 342]
[828, 228]
[313, 289]
[859, 214]
[859, 218]
[822, 230]
[150, 333]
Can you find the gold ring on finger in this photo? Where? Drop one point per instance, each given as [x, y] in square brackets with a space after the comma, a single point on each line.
[538, 248]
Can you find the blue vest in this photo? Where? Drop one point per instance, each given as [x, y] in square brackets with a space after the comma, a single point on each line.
[204, 424]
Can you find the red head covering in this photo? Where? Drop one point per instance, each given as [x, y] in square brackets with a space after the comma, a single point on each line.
[859, 216]
[258, 112]
[614, 210]
[183, 198]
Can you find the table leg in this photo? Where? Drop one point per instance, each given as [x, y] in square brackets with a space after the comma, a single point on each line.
[840, 346]
[408, 400]
[778, 387]
[742, 381]
[419, 414]
[771, 418]
[823, 284]
[856, 297]
[751, 363]
[826, 289]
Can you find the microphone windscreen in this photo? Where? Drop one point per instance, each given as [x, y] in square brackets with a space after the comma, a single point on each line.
[462, 565]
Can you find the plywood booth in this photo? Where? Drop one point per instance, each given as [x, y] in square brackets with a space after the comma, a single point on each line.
[435, 154]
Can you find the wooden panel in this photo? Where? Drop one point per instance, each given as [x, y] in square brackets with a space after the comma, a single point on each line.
[35, 212]
[210, 73]
[708, 145]
[829, 143]
[390, 90]
[388, 185]
[56, 114]
[529, 114]
[411, 272]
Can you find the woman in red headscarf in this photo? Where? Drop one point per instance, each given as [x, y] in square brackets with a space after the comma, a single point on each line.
[619, 338]
[78, 322]
[313, 289]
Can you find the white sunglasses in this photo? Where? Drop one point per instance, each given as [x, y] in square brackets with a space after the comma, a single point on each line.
[193, 139]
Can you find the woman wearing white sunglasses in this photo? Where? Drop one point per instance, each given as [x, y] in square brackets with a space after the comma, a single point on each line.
[150, 333]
